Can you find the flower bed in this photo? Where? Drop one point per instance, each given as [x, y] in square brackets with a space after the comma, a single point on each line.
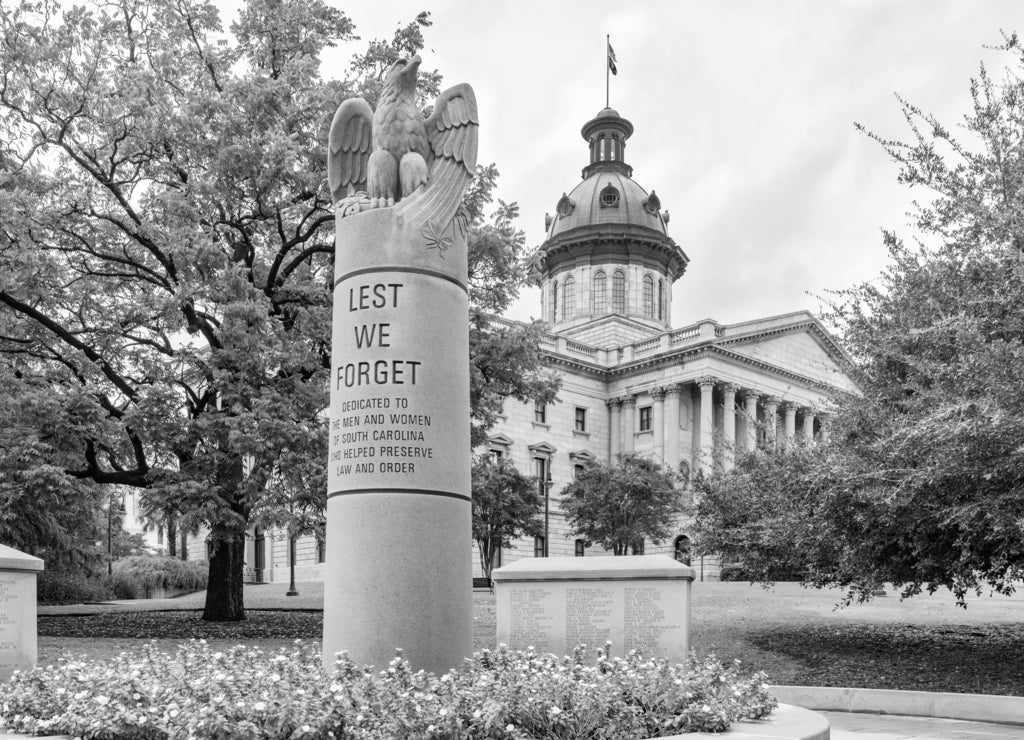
[197, 693]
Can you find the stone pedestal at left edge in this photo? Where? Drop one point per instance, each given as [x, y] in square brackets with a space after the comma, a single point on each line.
[18, 573]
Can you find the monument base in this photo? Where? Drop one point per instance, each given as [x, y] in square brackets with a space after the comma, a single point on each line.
[637, 602]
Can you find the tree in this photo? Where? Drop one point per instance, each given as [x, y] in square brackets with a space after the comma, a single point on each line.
[168, 256]
[618, 506]
[924, 486]
[506, 506]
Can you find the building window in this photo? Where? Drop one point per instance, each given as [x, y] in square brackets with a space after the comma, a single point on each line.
[577, 471]
[321, 549]
[568, 298]
[554, 301]
[619, 292]
[538, 547]
[581, 419]
[638, 547]
[600, 293]
[661, 300]
[648, 297]
[495, 456]
[581, 548]
[681, 549]
[610, 197]
[540, 412]
[645, 418]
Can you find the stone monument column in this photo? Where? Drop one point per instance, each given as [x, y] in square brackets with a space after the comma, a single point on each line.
[628, 423]
[614, 428]
[658, 422]
[707, 424]
[729, 426]
[399, 572]
[672, 394]
[808, 425]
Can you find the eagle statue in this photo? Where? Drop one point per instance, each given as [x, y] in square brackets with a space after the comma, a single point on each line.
[378, 159]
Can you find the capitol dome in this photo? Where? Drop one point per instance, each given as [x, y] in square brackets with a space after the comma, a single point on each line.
[607, 255]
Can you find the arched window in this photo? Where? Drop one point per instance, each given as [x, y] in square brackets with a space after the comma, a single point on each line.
[600, 293]
[554, 301]
[568, 297]
[581, 548]
[648, 297]
[681, 549]
[619, 292]
[661, 300]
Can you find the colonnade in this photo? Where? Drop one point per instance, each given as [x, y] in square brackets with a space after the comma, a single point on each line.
[744, 412]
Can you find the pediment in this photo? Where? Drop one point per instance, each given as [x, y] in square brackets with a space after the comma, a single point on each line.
[500, 440]
[543, 449]
[581, 456]
[799, 350]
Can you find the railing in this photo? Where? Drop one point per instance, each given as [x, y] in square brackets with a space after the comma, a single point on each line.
[648, 345]
[680, 336]
[578, 348]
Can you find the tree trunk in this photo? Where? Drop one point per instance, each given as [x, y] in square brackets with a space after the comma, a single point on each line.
[172, 536]
[486, 555]
[224, 602]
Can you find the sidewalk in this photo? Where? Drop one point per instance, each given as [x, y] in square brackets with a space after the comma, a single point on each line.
[855, 726]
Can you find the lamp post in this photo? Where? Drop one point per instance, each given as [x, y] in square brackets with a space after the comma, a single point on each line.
[291, 566]
[547, 507]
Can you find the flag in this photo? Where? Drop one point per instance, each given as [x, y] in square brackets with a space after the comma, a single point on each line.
[611, 60]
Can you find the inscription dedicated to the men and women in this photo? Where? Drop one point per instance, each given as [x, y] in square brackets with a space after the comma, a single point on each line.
[379, 425]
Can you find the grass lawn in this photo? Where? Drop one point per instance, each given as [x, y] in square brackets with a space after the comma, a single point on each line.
[795, 635]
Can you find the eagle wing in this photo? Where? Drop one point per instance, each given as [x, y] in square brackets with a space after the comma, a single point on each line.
[348, 148]
[452, 127]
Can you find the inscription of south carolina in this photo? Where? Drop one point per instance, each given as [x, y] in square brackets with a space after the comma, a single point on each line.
[387, 391]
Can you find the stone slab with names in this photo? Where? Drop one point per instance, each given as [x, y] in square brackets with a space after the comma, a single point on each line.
[18, 635]
[637, 602]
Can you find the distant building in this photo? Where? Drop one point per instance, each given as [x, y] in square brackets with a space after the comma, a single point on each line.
[690, 397]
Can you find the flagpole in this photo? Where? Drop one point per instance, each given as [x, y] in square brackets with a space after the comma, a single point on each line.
[607, 70]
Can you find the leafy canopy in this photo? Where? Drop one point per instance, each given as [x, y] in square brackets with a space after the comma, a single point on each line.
[924, 484]
[618, 506]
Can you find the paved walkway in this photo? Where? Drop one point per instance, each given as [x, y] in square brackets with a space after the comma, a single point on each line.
[851, 726]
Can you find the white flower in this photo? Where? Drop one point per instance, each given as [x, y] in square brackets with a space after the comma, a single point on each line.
[554, 711]
[102, 700]
[509, 727]
[259, 706]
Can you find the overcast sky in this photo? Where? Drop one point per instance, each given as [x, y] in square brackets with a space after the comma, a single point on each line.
[743, 115]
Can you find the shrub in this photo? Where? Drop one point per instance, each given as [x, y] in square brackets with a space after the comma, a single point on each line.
[242, 692]
[121, 586]
[66, 587]
[152, 572]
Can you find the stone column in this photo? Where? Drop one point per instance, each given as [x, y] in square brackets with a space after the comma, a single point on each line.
[398, 566]
[729, 426]
[658, 422]
[771, 421]
[789, 409]
[809, 426]
[826, 424]
[672, 394]
[628, 423]
[614, 427]
[750, 411]
[707, 424]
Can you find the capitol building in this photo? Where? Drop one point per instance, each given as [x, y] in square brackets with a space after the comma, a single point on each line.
[691, 397]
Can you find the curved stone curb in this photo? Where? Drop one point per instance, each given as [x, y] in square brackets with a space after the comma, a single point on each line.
[975, 707]
[786, 723]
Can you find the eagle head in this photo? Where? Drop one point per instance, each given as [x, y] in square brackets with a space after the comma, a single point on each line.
[401, 75]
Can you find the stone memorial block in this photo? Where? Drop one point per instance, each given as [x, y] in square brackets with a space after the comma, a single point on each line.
[18, 635]
[399, 518]
[638, 602]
